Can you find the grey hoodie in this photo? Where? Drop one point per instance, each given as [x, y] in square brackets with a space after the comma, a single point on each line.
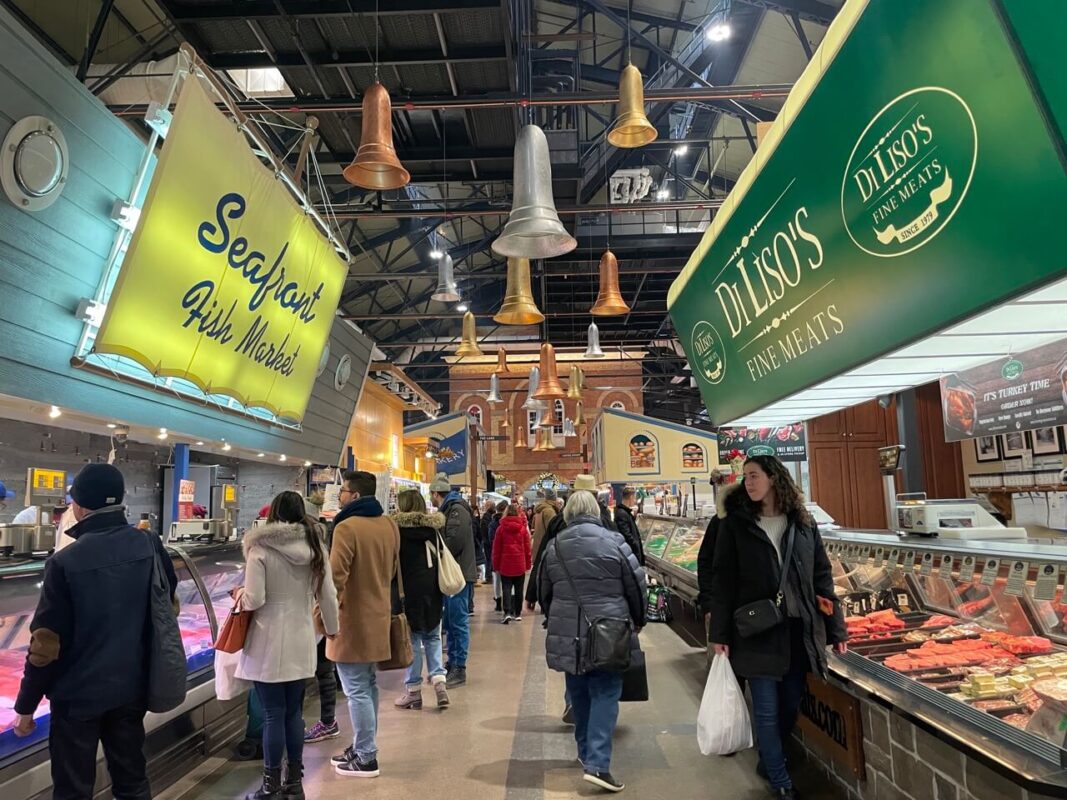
[281, 591]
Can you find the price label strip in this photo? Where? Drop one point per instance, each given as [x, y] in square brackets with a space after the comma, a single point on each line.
[1017, 578]
[927, 567]
[1048, 581]
[990, 570]
[946, 567]
[967, 569]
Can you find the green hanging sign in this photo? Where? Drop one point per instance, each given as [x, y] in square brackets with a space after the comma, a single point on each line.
[907, 185]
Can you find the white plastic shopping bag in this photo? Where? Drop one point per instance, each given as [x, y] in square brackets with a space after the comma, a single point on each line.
[723, 726]
[227, 685]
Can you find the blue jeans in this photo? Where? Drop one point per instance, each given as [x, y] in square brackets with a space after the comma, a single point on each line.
[775, 705]
[360, 683]
[595, 703]
[283, 721]
[457, 626]
[431, 643]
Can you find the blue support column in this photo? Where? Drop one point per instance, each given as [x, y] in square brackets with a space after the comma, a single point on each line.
[181, 473]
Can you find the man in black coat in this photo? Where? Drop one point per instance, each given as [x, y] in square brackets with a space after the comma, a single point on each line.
[626, 522]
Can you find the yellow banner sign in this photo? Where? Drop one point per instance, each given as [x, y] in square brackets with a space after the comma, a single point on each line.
[227, 283]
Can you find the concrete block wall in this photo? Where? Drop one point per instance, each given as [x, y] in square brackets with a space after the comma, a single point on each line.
[904, 762]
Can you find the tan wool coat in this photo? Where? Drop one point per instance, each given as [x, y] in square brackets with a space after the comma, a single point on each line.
[363, 560]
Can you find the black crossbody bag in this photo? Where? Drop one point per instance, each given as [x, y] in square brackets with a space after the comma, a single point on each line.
[607, 639]
[752, 619]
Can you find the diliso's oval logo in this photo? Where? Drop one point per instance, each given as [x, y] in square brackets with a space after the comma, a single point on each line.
[708, 352]
[909, 171]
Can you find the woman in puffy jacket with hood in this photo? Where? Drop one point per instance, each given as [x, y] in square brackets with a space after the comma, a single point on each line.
[589, 572]
[512, 558]
[286, 574]
[422, 596]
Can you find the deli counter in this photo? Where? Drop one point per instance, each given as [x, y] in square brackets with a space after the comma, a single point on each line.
[966, 640]
[206, 574]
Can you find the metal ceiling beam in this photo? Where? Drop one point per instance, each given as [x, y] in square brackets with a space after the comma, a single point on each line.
[251, 9]
[94, 39]
[643, 16]
[499, 276]
[811, 10]
[359, 58]
[459, 317]
[503, 211]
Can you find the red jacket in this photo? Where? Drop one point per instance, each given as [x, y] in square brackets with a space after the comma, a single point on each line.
[512, 552]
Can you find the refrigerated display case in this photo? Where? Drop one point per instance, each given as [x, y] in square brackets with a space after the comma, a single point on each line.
[206, 574]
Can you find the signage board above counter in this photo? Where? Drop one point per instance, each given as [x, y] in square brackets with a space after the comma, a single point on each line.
[879, 211]
[227, 282]
[786, 442]
[1024, 392]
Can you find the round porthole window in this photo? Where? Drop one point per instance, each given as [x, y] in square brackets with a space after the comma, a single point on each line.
[343, 373]
[34, 164]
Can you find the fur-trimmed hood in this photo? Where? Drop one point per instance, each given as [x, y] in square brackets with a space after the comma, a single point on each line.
[418, 519]
[285, 538]
[730, 498]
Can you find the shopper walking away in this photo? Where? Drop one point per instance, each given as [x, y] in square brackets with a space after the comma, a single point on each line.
[770, 533]
[512, 558]
[588, 573]
[422, 596]
[88, 647]
[626, 522]
[364, 556]
[285, 577]
[459, 536]
[498, 514]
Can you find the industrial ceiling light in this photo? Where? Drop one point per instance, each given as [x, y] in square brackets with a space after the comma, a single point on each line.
[462, 306]
[435, 253]
[719, 30]
[663, 194]
[681, 150]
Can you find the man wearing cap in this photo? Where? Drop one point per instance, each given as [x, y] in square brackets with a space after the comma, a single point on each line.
[459, 536]
[88, 645]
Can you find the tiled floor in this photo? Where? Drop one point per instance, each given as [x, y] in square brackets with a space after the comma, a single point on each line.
[502, 739]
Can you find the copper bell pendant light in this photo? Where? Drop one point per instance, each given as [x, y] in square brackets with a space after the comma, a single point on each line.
[592, 346]
[446, 291]
[532, 403]
[506, 424]
[502, 362]
[574, 388]
[533, 229]
[609, 302]
[376, 165]
[539, 441]
[631, 127]
[520, 439]
[469, 345]
[519, 307]
[549, 387]
[494, 390]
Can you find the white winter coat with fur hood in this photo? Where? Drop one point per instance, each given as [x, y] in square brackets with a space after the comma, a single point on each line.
[281, 592]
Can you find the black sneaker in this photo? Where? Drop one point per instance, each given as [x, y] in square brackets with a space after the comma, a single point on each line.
[785, 794]
[604, 781]
[354, 769]
[348, 755]
[568, 716]
[456, 677]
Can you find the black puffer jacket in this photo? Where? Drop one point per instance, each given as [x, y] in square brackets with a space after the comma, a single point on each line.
[422, 597]
[609, 581]
[746, 569]
[627, 526]
[728, 498]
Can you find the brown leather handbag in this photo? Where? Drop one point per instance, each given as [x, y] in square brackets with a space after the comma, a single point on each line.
[400, 653]
[234, 630]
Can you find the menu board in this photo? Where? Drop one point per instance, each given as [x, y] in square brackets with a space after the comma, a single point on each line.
[685, 547]
[658, 536]
[1025, 391]
[786, 442]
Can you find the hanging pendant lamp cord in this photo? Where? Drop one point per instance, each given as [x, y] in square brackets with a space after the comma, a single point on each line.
[377, 23]
[629, 31]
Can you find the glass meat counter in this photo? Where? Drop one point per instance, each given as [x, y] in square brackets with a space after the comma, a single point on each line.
[671, 547]
[206, 574]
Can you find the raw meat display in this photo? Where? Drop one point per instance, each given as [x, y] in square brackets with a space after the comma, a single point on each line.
[1019, 645]
[963, 653]
[975, 608]
[875, 622]
[938, 621]
[1017, 720]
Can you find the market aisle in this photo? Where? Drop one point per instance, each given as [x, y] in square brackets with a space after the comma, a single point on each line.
[502, 739]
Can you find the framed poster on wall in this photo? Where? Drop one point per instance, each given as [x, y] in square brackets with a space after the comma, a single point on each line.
[987, 448]
[1014, 444]
[1046, 441]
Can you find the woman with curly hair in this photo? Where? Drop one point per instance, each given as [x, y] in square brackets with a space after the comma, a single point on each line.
[769, 530]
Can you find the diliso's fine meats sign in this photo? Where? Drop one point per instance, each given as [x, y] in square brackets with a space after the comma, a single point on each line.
[1028, 390]
[227, 283]
[875, 212]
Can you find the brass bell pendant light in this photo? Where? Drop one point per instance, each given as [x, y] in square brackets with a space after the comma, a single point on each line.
[532, 403]
[469, 345]
[539, 441]
[631, 128]
[549, 444]
[494, 390]
[446, 291]
[376, 165]
[520, 439]
[609, 302]
[549, 387]
[533, 229]
[592, 346]
[579, 415]
[501, 362]
[519, 307]
[574, 388]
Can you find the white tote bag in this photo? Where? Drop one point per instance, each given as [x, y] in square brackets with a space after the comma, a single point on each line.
[227, 685]
[723, 726]
[450, 578]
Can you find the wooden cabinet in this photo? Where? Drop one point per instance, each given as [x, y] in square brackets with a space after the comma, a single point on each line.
[843, 458]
